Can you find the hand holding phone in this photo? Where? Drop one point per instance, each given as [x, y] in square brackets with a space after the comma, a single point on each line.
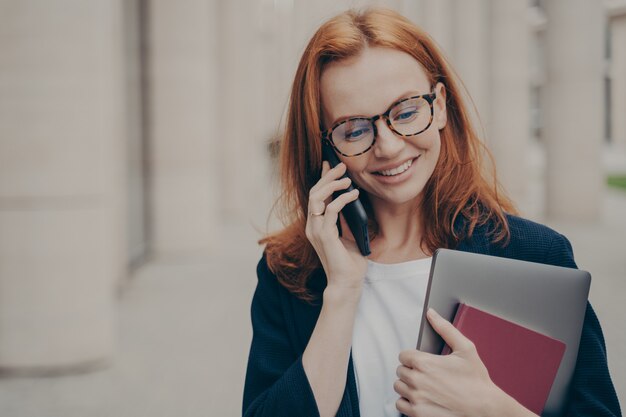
[353, 212]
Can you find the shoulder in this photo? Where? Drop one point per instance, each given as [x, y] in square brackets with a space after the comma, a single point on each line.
[267, 307]
[267, 292]
[270, 290]
[268, 284]
[533, 242]
[539, 243]
[262, 269]
[526, 233]
[275, 307]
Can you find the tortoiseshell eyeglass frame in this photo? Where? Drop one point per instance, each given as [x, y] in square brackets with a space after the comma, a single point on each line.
[429, 97]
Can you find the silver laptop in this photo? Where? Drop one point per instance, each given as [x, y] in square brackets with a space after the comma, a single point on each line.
[548, 299]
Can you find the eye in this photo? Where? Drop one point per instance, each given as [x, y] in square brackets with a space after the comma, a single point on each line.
[406, 115]
[356, 134]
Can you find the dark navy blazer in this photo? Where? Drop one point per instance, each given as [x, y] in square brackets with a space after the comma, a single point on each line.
[276, 384]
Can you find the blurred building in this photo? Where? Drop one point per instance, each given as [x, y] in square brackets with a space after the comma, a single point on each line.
[137, 129]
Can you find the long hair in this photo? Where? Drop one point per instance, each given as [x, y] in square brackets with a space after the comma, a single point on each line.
[457, 193]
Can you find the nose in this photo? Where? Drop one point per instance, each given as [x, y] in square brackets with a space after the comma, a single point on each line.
[388, 144]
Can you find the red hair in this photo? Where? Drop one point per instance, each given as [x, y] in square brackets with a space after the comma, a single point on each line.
[457, 189]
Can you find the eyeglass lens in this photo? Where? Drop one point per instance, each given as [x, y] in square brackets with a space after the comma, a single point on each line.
[407, 118]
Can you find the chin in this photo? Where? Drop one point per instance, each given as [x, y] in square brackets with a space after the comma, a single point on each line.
[399, 198]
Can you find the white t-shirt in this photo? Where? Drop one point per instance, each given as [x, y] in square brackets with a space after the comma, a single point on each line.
[387, 322]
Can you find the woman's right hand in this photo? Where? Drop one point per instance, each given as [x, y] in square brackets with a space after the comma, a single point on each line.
[343, 263]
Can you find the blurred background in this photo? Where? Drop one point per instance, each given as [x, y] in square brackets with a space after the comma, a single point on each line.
[137, 173]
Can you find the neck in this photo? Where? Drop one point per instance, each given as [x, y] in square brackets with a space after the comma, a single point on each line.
[399, 231]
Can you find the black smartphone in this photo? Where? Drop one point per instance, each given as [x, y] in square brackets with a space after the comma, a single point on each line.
[353, 212]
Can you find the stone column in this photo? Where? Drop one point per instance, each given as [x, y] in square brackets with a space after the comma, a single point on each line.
[62, 175]
[536, 155]
[618, 80]
[509, 128]
[574, 108]
[185, 137]
[472, 58]
[242, 138]
[136, 135]
[438, 21]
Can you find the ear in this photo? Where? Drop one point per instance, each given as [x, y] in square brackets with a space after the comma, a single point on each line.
[441, 113]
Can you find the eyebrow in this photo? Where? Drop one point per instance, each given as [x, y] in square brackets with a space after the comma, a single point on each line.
[407, 94]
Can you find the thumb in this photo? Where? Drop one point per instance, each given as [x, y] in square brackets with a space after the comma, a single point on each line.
[450, 334]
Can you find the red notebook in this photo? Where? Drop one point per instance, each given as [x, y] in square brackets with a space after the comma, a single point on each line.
[522, 362]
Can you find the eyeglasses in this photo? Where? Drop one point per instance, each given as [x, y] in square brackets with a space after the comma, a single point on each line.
[407, 117]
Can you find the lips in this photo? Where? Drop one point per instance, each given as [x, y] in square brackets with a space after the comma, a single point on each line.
[393, 170]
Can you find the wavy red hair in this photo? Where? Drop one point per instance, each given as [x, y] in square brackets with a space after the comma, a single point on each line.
[458, 192]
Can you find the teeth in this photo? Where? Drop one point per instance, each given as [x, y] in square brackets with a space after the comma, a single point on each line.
[398, 170]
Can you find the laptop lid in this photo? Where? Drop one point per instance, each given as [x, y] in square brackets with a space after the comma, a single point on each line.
[548, 299]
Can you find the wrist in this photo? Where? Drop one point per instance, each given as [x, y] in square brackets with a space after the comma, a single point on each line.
[342, 294]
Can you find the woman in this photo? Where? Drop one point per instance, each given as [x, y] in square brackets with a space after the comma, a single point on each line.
[334, 331]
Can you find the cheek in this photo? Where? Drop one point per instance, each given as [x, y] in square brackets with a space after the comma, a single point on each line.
[434, 158]
[430, 143]
[431, 150]
[436, 146]
[355, 165]
[359, 174]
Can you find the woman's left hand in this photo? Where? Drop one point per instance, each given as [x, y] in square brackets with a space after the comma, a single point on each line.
[446, 385]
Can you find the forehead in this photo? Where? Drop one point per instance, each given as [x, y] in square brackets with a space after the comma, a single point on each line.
[368, 83]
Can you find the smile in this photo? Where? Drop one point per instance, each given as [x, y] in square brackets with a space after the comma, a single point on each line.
[397, 175]
[397, 170]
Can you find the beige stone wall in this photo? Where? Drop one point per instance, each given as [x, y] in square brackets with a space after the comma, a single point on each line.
[184, 143]
[618, 78]
[62, 181]
[81, 137]
[573, 109]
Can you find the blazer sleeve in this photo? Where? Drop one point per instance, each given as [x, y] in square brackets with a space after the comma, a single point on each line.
[276, 384]
[591, 391]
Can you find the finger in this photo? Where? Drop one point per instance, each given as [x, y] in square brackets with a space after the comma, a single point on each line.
[407, 375]
[404, 406]
[330, 175]
[403, 389]
[322, 193]
[337, 171]
[417, 360]
[406, 357]
[323, 197]
[325, 167]
[421, 409]
[316, 211]
[333, 209]
[409, 357]
[450, 334]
